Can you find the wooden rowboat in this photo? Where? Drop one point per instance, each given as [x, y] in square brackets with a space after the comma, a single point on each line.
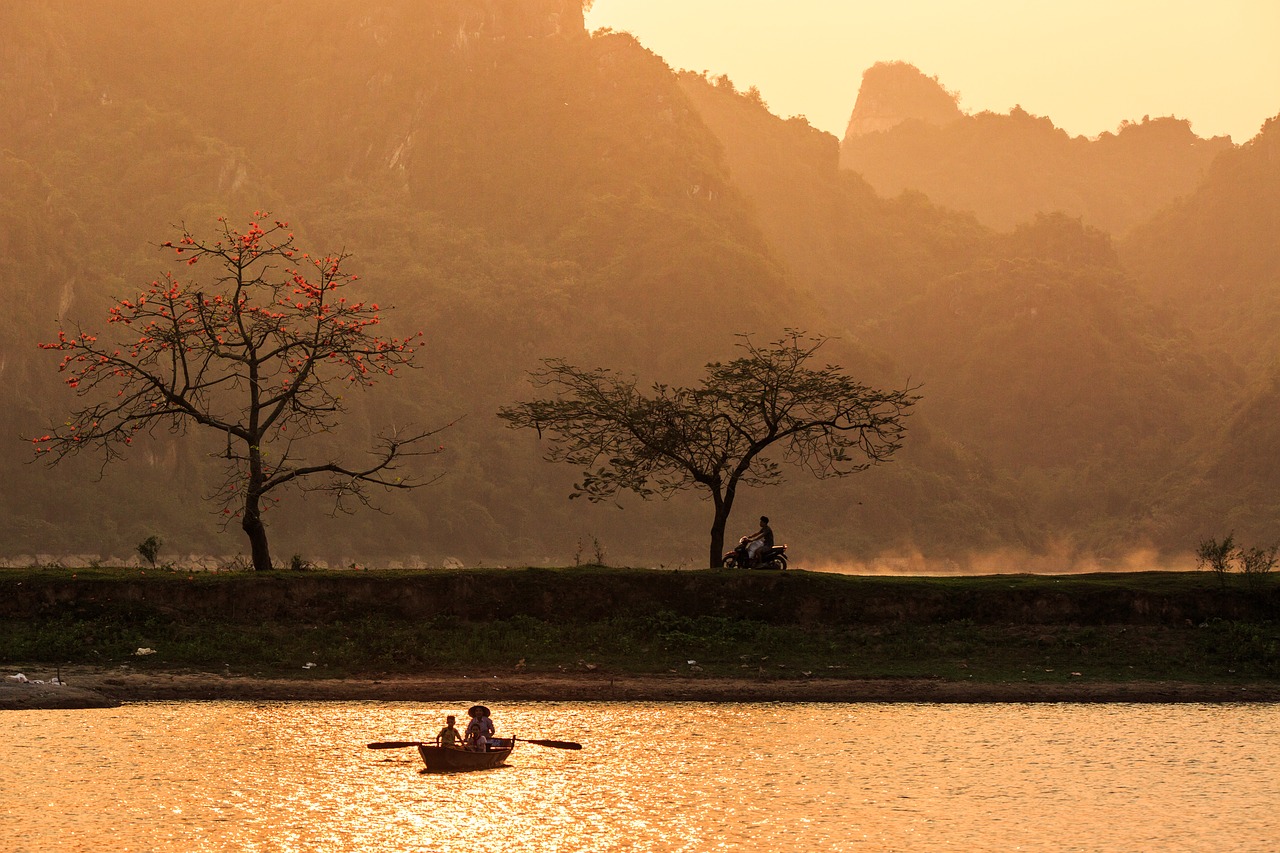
[454, 759]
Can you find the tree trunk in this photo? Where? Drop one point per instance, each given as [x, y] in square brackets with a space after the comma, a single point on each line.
[257, 533]
[717, 540]
[723, 506]
[252, 523]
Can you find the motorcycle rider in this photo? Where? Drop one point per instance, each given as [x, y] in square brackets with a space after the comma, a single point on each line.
[760, 540]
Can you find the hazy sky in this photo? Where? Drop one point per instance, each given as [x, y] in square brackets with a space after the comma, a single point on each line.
[1086, 64]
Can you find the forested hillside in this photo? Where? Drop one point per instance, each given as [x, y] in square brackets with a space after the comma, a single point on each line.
[519, 189]
[1212, 263]
[1037, 351]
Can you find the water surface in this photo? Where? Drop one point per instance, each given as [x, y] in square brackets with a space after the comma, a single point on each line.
[295, 776]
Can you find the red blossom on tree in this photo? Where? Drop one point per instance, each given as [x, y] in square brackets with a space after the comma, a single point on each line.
[257, 350]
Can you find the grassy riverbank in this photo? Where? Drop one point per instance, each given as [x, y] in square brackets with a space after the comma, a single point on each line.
[627, 623]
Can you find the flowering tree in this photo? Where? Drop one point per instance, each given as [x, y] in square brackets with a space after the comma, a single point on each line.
[260, 350]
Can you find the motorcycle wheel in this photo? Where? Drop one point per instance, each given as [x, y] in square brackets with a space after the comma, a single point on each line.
[779, 564]
[729, 562]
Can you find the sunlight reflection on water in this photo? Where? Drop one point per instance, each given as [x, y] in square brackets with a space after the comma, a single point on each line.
[214, 776]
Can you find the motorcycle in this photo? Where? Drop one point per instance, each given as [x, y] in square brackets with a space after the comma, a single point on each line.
[774, 558]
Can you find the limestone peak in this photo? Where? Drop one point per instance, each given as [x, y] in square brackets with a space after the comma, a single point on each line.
[893, 92]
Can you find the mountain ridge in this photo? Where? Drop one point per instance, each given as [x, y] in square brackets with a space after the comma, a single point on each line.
[1006, 167]
[568, 194]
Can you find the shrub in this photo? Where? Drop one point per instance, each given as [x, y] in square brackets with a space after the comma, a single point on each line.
[1256, 564]
[149, 548]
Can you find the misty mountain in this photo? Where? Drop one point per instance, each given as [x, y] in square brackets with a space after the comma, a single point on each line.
[1212, 259]
[861, 254]
[907, 132]
[1037, 351]
[1212, 262]
[519, 189]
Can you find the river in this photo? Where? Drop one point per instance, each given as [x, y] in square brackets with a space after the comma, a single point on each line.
[296, 776]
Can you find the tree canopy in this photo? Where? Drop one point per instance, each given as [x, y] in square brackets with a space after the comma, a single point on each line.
[717, 435]
[260, 349]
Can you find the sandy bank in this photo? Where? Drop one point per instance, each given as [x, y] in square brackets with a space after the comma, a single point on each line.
[446, 689]
[34, 697]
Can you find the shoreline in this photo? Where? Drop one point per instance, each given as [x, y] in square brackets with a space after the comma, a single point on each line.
[99, 687]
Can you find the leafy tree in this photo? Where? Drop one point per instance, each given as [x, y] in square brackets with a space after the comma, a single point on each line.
[714, 436]
[1218, 556]
[260, 351]
[149, 549]
[1256, 564]
[1253, 562]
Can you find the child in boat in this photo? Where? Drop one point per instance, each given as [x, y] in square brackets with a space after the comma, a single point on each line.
[475, 733]
[449, 735]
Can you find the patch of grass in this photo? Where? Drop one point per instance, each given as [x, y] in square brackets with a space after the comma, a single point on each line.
[1146, 626]
[665, 642]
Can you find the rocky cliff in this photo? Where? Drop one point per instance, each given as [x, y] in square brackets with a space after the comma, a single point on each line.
[907, 133]
[894, 92]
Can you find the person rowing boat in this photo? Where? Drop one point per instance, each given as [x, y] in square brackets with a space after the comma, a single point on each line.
[480, 730]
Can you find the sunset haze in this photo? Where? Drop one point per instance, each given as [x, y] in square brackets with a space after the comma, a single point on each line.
[1089, 65]
[1034, 223]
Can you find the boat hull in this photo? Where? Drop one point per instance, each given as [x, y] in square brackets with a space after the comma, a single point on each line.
[441, 759]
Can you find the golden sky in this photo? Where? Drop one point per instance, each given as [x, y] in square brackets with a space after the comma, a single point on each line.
[1086, 64]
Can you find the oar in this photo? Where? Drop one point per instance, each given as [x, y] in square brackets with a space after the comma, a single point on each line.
[554, 744]
[400, 744]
